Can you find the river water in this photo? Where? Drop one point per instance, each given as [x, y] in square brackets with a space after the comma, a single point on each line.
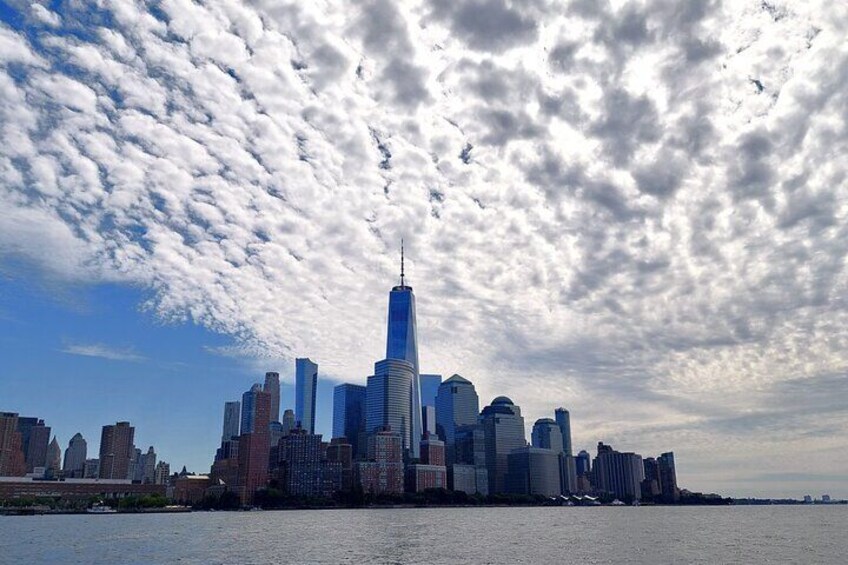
[655, 535]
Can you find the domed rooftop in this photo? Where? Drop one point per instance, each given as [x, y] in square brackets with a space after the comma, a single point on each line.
[541, 421]
[501, 400]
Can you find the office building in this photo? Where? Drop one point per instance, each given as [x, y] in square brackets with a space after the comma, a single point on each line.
[402, 344]
[547, 435]
[289, 422]
[618, 474]
[568, 474]
[272, 387]
[35, 437]
[668, 478]
[116, 451]
[12, 459]
[535, 471]
[583, 463]
[53, 463]
[387, 401]
[306, 391]
[563, 420]
[457, 404]
[429, 388]
[503, 427]
[469, 452]
[254, 447]
[428, 420]
[248, 409]
[349, 416]
[431, 471]
[75, 454]
[382, 473]
[232, 420]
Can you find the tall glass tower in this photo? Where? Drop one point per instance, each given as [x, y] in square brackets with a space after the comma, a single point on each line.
[402, 343]
[305, 391]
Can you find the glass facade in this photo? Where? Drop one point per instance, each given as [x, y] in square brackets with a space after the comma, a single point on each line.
[306, 386]
[563, 420]
[457, 404]
[388, 399]
[503, 427]
[402, 343]
[349, 415]
[248, 409]
[429, 389]
[547, 435]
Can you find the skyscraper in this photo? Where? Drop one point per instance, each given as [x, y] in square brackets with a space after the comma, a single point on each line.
[232, 417]
[148, 466]
[248, 408]
[429, 389]
[34, 437]
[53, 462]
[306, 390]
[116, 450]
[75, 456]
[349, 416]
[388, 398]
[428, 420]
[534, 470]
[457, 404]
[272, 387]
[619, 474]
[402, 343]
[254, 447]
[668, 477]
[12, 460]
[563, 420]
[383, 472]
[288, 421]
[546, 435]
[503, 427]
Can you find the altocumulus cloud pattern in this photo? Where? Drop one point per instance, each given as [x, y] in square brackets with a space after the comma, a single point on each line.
[638, 208]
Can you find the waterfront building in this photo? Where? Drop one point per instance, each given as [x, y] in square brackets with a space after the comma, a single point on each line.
[306, 391]
[402, 344]
[272, 387]
[12, 459]
[547, 435]
[74, 489]
[304, 470]
[568, 474]
[91, 469]
[75, 454]
[382, 473]
[457, 404]
[35, 436]
[190, 489]
[462, 478]
[289, 422]
[162, 473]
[248, 409]
[429, 388]
[254, 448]
[431, 472]
[532, 470]
[232, 420]
[618, 474]
[503, 428]
[387, 400]
[53, 463]
[116, 451]
[432, 450]
[469, 451]
[563, 420]
[668, 478]
[341, 451]
[349, 416]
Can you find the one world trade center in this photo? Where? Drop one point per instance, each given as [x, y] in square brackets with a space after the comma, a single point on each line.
[402, 343]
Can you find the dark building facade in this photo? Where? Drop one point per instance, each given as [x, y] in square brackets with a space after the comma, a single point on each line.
[116, 450]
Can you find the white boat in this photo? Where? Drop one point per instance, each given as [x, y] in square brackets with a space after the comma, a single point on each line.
[100, 509]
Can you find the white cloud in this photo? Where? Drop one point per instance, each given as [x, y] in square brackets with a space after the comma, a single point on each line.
[102, 351]
[634, 210]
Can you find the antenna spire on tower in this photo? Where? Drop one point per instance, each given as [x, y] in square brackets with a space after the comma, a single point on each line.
[401, 262]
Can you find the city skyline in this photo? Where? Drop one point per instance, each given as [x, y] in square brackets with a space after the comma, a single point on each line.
[632, 210]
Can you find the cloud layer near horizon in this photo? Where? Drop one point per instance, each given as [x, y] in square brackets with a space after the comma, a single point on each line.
[635, 209]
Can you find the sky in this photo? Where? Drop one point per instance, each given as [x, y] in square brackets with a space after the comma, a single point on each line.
[636, 210]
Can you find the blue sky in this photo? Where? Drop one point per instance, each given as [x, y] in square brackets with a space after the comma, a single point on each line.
[633, 209]
[81, 357]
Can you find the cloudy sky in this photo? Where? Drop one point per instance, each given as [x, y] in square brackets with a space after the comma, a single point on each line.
[636, 210]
